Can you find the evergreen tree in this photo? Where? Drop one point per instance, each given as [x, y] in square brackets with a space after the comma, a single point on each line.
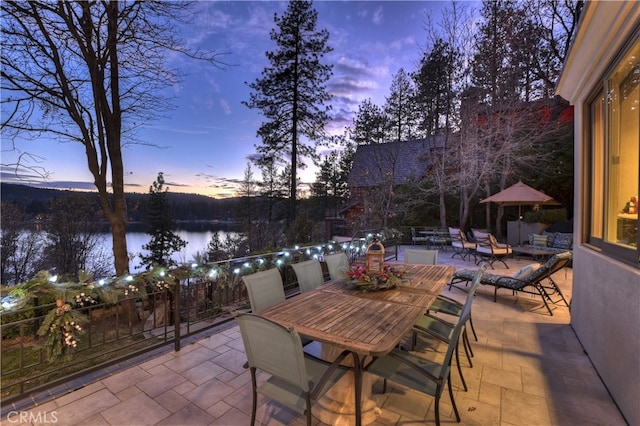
[327, 182]
[164, 242]
[400, 109]
[496, 69]
[369, 124]
[346, 164]
[248, 192]
[434, 89]
[270, 186]
[291, 92]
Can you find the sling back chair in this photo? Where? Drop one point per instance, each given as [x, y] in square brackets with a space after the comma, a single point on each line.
[422, 257]
[296, 380]
[337, 264]
[309, 274]
[441, 329]
[417, 372]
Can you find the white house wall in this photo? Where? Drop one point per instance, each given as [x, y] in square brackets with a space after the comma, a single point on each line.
[605, 306]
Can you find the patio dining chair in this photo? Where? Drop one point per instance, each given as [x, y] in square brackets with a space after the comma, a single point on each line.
[412, 370]
[437, 327]
[442, 304]
[309, 274]
[529, 279]
[265, 288]
[337, 264]
[416, 237]
[422, 257]
[489, 250]
[296, 380]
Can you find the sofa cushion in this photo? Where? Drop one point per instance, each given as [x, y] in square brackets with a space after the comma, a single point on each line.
[562, 240]
[550, 236]
[539, 240]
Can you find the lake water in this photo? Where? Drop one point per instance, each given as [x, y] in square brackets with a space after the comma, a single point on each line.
[197, 243]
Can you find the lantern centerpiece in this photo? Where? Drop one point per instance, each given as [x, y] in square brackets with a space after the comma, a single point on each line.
[374, 258]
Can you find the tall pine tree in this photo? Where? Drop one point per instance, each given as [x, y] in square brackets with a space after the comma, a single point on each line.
[399, 108]
[164, 242]
[291, 92]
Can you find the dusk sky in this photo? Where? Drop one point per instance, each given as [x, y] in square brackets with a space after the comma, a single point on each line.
[205, 144]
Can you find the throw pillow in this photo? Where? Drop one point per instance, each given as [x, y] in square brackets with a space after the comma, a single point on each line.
[563, 241]
[550, 237]
[527, 270]
[539, 240]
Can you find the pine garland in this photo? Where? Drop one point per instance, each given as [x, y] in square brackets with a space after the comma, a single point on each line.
[62, 326]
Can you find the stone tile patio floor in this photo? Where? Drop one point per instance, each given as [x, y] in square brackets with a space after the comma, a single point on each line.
[529, 369]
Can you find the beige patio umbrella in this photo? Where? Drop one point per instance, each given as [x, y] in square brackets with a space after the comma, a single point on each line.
[520, 194]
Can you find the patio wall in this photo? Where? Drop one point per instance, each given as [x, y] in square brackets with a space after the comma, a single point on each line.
[605, 315]
[605, 308]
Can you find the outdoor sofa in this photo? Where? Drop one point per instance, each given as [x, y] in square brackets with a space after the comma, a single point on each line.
[551, 242]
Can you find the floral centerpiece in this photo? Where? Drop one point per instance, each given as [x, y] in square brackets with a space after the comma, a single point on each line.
[358, 278]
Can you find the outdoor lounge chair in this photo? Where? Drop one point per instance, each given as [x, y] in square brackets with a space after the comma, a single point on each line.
[489, 250]
[529, 279]
[461, 246]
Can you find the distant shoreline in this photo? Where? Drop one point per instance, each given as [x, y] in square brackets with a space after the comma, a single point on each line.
[181, 225]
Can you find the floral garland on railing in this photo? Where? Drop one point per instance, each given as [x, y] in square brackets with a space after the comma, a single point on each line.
[63, 325]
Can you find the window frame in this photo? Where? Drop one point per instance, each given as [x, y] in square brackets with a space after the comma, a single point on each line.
[591, 175]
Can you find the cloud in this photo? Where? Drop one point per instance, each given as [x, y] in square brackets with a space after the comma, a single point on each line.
[20, 174]
[377, 17]
[225, 106]
[174, 183]
[177, 130]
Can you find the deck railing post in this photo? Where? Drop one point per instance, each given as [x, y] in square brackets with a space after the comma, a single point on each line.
[176, 319]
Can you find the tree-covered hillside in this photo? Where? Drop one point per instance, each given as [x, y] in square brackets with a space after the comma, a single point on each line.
[185, 207]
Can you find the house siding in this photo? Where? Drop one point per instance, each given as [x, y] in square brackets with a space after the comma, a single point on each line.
[605, 305]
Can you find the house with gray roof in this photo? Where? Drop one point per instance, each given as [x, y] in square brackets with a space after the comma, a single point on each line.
[379, 168]
[397, 162]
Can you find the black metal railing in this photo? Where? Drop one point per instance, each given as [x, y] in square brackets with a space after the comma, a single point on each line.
[133, 325]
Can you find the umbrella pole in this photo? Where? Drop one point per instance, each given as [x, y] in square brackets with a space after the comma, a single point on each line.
[519, 223]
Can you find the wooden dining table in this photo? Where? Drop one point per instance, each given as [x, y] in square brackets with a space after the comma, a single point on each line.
[368, 323]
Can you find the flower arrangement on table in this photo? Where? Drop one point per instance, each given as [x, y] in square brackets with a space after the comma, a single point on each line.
[358, 278]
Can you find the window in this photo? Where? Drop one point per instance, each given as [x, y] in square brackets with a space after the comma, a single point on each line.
[614, 158]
